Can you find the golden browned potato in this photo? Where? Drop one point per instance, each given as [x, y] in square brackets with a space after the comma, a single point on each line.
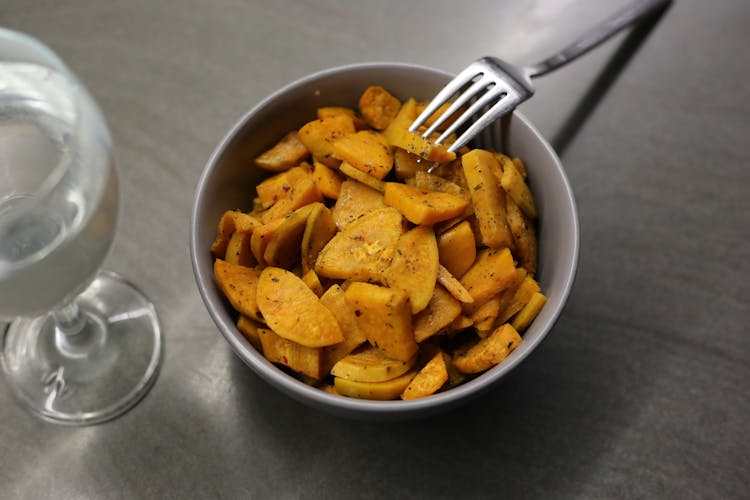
[368, 277]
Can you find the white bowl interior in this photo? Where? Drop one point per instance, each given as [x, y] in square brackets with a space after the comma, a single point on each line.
[229, 180]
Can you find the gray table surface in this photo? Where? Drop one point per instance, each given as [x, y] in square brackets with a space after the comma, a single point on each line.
[642, 390]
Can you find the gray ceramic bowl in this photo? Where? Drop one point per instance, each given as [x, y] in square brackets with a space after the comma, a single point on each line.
[229, 180]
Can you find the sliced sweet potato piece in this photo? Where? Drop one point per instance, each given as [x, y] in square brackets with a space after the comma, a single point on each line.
[484, 317]
[278, 186]
[453, 286]
[420, 206]
[334, 300]
[428, 380]
[313, 282]
[378, 107]
[249, 329]
[318, 137]
[390, 389]
[319, 230]
[370, 364]
[489, 351]
[430, 182]
[384, 315]
[440, 312]
[283, 249]
[350, 171]
[327, 180]
[514, 184]
[525, 316]
[329, 111]
[364, 249]
[303, 192]
[415, 266]
[301, 359]
[260, 238]
[239, 249]
[293, 311]
[457, 248]
[367, 151]
[521, 295]
[492, 272]
[406, 164]
[231, 221]
[286, 153]
[239, 285]
[355, 200]
[524, 236]
[487, 197]
[397, 133]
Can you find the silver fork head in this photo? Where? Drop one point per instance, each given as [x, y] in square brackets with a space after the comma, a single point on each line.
[489, 84]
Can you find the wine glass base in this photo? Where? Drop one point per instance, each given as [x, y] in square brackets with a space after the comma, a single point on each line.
[97, 374]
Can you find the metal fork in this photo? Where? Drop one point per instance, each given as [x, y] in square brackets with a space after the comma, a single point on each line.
[496, 86]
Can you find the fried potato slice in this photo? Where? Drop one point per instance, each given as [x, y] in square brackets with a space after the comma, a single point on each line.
[239, 250]
[390, 389]
[518, 297]
[301, 359]
[358, 175]
[303, 192]
[286, 153]
[327, 180]
[384, 315]
[283, 249]
[260, 238]
[428, 380]
[406, 164]
[355, 200]
[487, 197]
[514, 184]
[319, 135]
[454, 286]
[397, 133]
[239, 285]
[230, 222]
[440, 312]
[457, 248]
[378, 107]
[489, 351]
[249, 328]
[492, 272]
[525, 316]
[278, 186]
[367, 151]
[335, 301]
[313, 282]
[524, 235]
[330, 111]
[420, 206]
[370, 364]
[293, 311]
[363, 250]
[414, 266]
[319, 229]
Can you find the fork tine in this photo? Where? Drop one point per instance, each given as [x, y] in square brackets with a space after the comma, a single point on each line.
[502, 107]
[465, 96]
[464, 77]
[492, 94]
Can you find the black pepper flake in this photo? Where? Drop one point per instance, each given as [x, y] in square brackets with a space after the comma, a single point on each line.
[275, 280]
[358, 313]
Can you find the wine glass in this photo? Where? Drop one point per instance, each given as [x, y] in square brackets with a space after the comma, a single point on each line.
[80, 346]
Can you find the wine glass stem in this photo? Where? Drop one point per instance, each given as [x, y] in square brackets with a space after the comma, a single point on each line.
[73, 333]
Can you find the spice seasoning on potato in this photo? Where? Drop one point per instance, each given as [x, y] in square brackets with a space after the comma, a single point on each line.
[368, 277]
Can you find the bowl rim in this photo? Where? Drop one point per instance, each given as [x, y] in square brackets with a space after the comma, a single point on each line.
[341, 405]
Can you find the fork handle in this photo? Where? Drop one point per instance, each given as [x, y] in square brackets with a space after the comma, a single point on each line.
[599, 34]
